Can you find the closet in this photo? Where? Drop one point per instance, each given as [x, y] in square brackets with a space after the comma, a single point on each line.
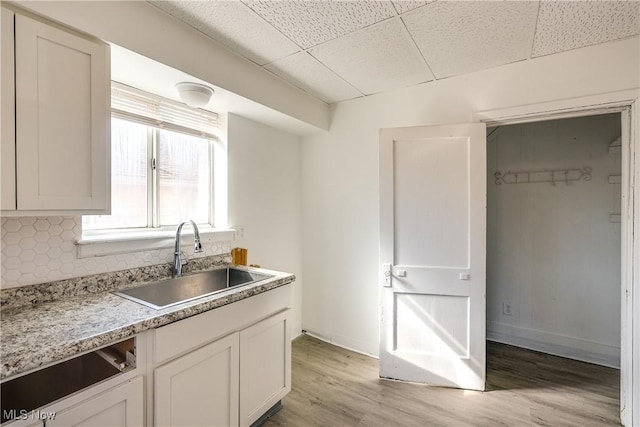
[553, 237]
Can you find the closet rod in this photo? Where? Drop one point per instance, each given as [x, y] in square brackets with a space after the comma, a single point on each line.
[552, 176]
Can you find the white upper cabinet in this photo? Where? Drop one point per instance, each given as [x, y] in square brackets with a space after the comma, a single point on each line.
[8, 113]
[62, 116]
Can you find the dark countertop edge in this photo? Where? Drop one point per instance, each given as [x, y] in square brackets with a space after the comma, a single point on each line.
[161, 318]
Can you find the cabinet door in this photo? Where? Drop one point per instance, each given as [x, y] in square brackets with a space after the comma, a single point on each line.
[201, 388]
[265, 366]
[120, 406]
[7, 113]
[62, 119]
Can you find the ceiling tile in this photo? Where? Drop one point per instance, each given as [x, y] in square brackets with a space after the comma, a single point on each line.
[375, 59]
[309, 23]
[405, 6]
[228, 22]
[305, 72]
[570, 25]
[461, 37]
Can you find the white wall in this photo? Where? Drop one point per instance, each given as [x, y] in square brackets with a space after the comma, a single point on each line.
[340, 171]
[553, 254]
[264, 199]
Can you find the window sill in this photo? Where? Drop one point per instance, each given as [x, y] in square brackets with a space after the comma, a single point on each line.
[144, 240]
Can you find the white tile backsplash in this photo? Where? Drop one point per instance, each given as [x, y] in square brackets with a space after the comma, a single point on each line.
[42, 249]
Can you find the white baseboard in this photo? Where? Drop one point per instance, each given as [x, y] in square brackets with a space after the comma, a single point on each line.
[559, 345]
[337, 343]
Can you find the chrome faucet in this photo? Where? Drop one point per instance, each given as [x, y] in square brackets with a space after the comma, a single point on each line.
[177, 255]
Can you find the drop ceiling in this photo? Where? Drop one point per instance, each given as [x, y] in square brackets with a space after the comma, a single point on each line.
[339, 50]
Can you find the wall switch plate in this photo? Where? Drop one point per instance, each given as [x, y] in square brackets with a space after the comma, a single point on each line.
[507, 309]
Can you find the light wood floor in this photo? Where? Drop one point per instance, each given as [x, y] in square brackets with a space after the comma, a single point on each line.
[335, 387]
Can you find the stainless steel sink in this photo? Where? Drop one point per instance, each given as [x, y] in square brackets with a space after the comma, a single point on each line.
[174, 291]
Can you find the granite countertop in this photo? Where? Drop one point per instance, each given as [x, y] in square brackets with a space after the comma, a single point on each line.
[34, 336]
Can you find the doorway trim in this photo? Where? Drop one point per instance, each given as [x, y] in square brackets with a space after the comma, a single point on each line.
[626, 103]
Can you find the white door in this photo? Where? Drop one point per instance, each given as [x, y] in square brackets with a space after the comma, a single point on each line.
[432, 254]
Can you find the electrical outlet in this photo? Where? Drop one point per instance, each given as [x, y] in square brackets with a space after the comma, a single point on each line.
[239, 234]
[507, 309]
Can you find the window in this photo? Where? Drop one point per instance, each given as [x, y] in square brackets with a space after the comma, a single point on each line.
[161, 163]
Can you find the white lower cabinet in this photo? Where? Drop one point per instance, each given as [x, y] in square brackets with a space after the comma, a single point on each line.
[200, 379]
[201, 388]
[121, 406]
[265, 361]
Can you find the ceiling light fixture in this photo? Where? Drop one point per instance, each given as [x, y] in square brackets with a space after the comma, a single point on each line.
[194, 94]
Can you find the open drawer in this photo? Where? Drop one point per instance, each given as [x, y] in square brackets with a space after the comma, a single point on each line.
[47, 385]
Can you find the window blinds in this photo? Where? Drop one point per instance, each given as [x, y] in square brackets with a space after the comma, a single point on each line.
[134, 105]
